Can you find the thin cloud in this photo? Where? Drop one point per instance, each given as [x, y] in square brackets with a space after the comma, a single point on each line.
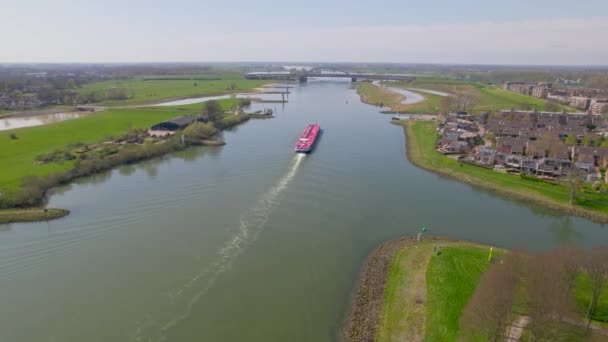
[563, 41]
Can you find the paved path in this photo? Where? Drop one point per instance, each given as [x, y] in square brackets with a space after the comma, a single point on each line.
[516, 329]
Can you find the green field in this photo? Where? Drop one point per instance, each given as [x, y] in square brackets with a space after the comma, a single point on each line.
[151, 89]
[452, 277]
[405, 288]
[582, 295]
[425, 292]
[378, 96]
[487, 97]
[18, 156]
[421, 151]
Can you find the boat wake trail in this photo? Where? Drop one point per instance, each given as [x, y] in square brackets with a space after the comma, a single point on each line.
[251, 224]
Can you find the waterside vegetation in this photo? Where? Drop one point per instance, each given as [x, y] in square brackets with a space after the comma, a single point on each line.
[45, 156]
[421, 139]
[436, 289]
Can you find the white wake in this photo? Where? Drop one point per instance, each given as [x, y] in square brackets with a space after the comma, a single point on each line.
[250, 226]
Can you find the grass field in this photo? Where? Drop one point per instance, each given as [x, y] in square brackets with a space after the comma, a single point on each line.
[18, 156]
[378, 96]
[488, 97]
[426, 292]
[406, 288]
[421, 137]
[582, 295]
[451, 280]
[152, 89]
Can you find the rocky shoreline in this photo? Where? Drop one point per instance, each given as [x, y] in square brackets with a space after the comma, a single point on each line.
[367, 299]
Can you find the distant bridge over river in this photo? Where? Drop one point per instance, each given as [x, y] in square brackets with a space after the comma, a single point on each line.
[326, 72]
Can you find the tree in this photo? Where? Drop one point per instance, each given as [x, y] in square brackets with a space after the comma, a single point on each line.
[491, 138]
[549, 144]
[573, 182]
[587, 140]
[594, 264]
[212, 109]
[489, 310]
[571, 139]
[549, 285]
[199, 131]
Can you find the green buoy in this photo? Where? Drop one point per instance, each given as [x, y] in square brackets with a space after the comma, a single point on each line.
[424, 229]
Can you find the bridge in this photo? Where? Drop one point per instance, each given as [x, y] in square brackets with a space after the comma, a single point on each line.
[325, 72]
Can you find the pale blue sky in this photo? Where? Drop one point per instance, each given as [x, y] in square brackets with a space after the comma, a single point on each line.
[412, 31]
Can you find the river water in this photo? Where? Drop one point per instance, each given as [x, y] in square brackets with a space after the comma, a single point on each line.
[248, 241]
[38, 120]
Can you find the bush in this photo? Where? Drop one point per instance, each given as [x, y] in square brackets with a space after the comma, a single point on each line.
[199, 131]
[231, 120]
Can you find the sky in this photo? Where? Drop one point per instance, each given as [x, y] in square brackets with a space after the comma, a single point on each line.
[529, 32]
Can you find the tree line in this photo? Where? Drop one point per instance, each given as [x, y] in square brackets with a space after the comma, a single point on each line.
[558, 293]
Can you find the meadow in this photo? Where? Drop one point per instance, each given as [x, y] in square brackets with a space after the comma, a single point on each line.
[150, 89]
[487, 98]
[19, 155]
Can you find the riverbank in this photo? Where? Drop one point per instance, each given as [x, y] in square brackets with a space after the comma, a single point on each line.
[420, 138]
[148, 90]
[40, 158]
[31, 215]
[399, 274]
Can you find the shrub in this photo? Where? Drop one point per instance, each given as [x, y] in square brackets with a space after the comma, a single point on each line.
[198, 131]
[231, 120]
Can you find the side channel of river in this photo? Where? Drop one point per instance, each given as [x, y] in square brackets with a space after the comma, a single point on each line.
[248, 241]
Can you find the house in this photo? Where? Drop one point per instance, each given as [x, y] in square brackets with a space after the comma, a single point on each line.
[454, 147]
[511, 145]
[176, 124]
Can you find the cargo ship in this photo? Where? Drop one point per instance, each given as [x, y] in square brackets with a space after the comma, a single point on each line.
[307, 139]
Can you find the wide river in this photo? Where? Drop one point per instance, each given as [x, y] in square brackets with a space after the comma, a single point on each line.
[249, 241]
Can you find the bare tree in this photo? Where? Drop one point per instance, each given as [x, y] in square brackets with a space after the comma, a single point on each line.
[212, 109]
[594, 264]
[488, 312]
[573, 182]
[550, 298]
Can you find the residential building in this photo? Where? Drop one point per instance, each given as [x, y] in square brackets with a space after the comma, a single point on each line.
[581, 102]
[598, 106]
[559, 97]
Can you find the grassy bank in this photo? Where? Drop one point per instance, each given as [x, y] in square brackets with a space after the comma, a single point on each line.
[421, 137]
[405, 288]
[43, 157]
[487, 98]
[452, 277]
[31, 215]
[378, 96]
[408, 292]
[152, 89]
[19, 155]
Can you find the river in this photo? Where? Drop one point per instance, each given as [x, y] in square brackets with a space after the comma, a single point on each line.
[248, 241]
[13, 122]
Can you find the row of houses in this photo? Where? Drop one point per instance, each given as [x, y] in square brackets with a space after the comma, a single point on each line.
[588, 166]
[526, 142]
[540, 90]
[545, 90]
